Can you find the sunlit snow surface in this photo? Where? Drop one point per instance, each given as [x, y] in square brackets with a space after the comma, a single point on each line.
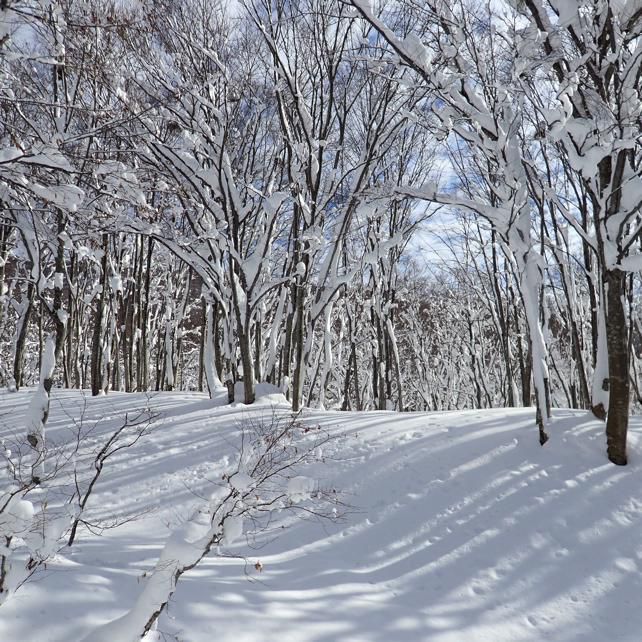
[459, 528]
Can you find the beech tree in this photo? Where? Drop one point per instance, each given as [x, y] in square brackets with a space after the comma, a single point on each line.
[593, 73]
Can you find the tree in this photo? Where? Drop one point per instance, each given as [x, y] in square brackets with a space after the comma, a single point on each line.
[345, 131]
[594, 114]
[476, 103]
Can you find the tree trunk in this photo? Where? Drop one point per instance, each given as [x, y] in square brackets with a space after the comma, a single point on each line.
[71, 341]
[21, 336]
[245, 347]
[59, 315]
[600, 384]
[298, 375]
[617, 420]
[503, 318]
[143, 357]
[97, 344]
[201, 347]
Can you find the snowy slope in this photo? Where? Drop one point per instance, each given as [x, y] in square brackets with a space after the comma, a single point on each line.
[460, 529]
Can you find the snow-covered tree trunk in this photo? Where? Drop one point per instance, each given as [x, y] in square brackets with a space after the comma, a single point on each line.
[600, 384]
[299, 367]
[183, 551]
[38, 411]
[209, 356]
[530, 274]
[265, 479]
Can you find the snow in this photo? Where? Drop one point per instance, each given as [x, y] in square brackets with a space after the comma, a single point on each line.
[273, 202]
[241, 481]
[268, 393]
[39, 401]
[116, 283]
[567, 11]
[416, 50]
[452, 526]
[299, 488]
[66, 197]
[232, 530]
[17, 517]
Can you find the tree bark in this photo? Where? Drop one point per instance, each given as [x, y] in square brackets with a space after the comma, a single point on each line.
[21, 336]
[98, 338]
[617, 420]
[298, 375]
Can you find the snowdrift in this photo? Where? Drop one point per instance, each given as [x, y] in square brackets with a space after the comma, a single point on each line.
[455, 527]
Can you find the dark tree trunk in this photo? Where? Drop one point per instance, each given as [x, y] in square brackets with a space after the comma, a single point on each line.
[285, 361]
[258, 342]
[59, 321]
[525, 367]
[98, 338]
[248, 369]
[617, 420]
[201, 347]
[143, 357]
[229, 381]
[21, 336]
[503, 318]
[297, 383]
[71, 343]
[218, 351]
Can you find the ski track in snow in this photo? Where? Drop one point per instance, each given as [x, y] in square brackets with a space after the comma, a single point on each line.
[461, 528]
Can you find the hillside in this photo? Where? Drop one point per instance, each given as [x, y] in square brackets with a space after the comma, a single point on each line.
[452, 527]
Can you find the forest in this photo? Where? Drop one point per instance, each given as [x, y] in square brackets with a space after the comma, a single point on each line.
[363, 213]
[194, 194]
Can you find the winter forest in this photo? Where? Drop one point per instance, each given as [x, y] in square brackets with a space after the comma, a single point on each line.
[335, 221]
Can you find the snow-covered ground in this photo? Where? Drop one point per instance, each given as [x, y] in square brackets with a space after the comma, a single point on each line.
[458, 528]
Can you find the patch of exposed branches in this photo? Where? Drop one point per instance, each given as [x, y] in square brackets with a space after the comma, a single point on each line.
[266, 479]
[95, 453]
[39, 515]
